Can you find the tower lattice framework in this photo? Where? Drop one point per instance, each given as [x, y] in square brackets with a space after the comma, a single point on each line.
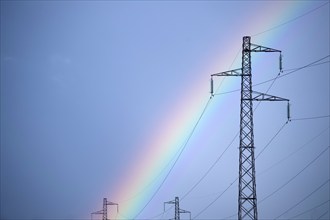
[247, 194]
[247, 204]
[177, 209]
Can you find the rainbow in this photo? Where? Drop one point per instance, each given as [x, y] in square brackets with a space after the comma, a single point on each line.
[136, 189]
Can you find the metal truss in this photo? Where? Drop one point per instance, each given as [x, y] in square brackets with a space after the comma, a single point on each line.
[247, 195]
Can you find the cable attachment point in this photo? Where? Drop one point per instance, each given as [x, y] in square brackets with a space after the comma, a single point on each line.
[212, 92]
[280, 63]
[288, 112]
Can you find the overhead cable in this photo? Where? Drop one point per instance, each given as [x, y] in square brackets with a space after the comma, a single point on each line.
[306, 197]
[292, 178]
[282, 75]
[306, 211]
[291, 20]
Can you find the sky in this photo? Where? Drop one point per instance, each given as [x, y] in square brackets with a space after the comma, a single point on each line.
[111, 99]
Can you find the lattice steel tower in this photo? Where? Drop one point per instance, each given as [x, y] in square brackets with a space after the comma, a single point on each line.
[247, 196]
[104, 211]
[177, 209]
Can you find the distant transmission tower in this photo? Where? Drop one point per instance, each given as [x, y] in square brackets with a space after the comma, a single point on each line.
[247, 196]
[177, 208]
[104, 211]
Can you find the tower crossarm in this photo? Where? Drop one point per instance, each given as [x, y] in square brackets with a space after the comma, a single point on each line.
[97, 212]
[258, 48]
[185, 211]
[258, 96]
[247, 195]
[235, 72]
[169, 202]
[112, 203]
[177, 208]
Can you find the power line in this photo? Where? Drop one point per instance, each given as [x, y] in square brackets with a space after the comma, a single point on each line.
[184, 146]
[187, 143]
[319, 205]
[212, 166]
[292, 178]
[203, 210]
[271, 139]
[151, 182]
[217, 160]
[238, 52]
[321, 216]
[154, 180]
[208, 102]
[218, 197]
[286, 183]
[291, 20]
[176, 160]
[314, 63]
[235, 137]
[310, 118]
[306, 197]
[302, 146]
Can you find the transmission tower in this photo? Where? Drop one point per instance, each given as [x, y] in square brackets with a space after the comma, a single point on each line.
[247, 196]
[104, 211]
[177, 210]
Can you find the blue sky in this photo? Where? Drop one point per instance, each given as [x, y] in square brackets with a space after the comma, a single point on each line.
[85, 84]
